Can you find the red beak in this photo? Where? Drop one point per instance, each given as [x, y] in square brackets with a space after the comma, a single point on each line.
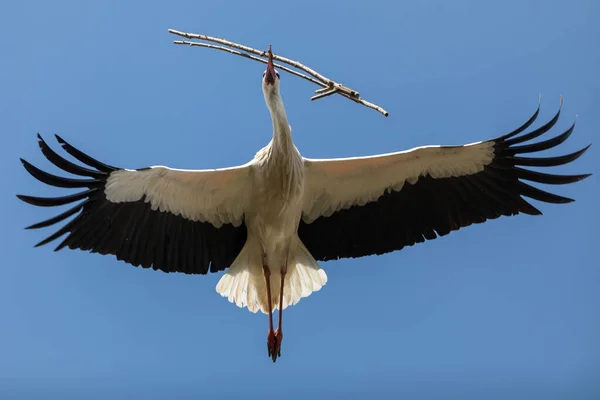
[270, 73]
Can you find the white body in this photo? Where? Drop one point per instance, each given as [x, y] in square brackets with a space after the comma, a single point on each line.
[277, 182]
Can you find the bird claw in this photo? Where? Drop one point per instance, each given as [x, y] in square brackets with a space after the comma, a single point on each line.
[270, 341]
[274, 340]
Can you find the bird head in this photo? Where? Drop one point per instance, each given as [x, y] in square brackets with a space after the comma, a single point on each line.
[270, 76]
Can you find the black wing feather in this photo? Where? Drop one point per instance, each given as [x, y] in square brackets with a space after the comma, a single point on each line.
[66, 165]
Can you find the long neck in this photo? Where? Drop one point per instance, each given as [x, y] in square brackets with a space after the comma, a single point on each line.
[282, 134]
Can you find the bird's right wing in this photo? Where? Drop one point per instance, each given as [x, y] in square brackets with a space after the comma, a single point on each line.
[372, 205]
[174, 220]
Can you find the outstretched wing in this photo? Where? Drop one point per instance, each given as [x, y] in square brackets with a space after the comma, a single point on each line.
[168, 219]
[373, 205]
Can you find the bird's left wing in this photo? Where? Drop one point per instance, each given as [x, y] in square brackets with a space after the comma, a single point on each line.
[173, 220]
[373, 205]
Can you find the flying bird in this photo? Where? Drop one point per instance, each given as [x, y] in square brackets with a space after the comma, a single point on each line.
[270, 221]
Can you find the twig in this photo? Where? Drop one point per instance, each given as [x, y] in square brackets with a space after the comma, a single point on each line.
[246, 55]
[325, 93]
[329, 86]
[324, 89]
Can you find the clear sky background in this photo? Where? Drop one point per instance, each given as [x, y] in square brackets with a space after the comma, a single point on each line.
[506, 309]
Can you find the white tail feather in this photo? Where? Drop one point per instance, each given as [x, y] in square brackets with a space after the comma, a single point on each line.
[244, 282]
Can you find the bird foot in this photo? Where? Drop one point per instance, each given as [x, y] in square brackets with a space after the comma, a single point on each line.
[274, 340]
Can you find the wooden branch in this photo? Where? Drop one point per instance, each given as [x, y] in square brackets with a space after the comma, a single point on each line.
[328, 86]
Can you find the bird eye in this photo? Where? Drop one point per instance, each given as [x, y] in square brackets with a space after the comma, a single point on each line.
[277, 73]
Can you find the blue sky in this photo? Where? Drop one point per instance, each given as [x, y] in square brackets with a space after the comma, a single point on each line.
[506, 309]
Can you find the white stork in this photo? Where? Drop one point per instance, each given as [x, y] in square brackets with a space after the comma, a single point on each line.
[269, 221]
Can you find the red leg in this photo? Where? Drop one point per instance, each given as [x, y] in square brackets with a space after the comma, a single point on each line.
[279, 331]
[271, 334]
